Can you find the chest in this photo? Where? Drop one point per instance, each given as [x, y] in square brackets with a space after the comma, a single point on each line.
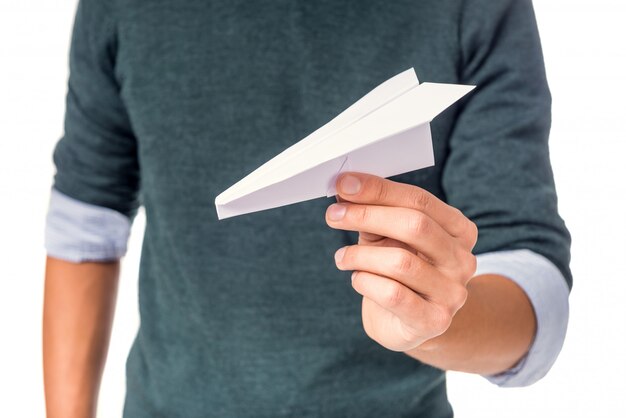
[214, 89]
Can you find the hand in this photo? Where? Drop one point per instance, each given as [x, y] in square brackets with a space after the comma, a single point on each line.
[412, 262]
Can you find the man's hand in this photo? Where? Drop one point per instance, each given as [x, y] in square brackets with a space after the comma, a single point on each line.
[413, 261]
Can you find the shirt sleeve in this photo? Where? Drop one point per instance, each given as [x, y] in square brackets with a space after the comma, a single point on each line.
[78, 232]
[548, 293]
[498, 170]
[96, 159]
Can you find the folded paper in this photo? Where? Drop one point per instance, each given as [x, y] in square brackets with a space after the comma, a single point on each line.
[385, 133]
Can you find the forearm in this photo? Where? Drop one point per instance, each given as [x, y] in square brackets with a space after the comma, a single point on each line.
[489, 334]
[79, 303]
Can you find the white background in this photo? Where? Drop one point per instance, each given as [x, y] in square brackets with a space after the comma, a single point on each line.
[585, 51]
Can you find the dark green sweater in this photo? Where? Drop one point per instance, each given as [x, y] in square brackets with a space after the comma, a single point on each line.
[171, 102]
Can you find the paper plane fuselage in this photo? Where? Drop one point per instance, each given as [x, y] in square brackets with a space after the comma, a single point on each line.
[385, 133]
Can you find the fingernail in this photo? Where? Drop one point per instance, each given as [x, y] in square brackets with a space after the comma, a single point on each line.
[350, 184]
[336, 211]
[339, 254]
[353, 275]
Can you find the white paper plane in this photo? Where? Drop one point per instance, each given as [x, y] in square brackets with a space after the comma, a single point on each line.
[385, 133]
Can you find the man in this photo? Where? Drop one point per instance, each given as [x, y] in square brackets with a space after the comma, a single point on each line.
[170, 102]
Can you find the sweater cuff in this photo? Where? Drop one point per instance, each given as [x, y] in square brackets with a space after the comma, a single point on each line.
[548, 293]
[78, 232]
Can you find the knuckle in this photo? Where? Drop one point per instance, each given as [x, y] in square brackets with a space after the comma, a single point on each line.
[440, 321]
[362, 214]
[403, 263]
[458, 215]
[420, 199]
[380, 191]
[472, 232]
[467, 266]
[350, 255]
[460, 225]
[393, 296]
[407, 334]
[456, 298]
[417, 224]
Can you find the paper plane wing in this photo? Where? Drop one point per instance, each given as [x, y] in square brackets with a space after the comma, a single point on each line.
[385, 133]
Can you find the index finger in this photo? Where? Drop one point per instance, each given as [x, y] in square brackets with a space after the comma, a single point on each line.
[374, 190]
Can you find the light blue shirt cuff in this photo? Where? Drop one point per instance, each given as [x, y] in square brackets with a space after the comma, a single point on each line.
[549, 295]
[77, 231]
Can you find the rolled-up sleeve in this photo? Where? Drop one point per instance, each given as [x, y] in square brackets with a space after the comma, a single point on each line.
[548, 293]
[80, 232]
[498, 172]
[96, 186]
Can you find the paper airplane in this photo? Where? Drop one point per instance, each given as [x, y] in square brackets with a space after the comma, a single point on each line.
[385, 133]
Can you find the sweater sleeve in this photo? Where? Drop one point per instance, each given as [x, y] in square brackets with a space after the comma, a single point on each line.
[96, 159]
[548, 293]
[498, 171]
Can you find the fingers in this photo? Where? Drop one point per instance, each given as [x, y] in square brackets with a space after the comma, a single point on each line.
[407, 225]
[392, 296]
[384, 327]
[379, 241]
[373, 190]
[413, 260]
[369, 238]
[388, 309]
[402, 266]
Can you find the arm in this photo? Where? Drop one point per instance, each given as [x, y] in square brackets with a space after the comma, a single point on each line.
[414, 260]
[489, 334]
[93, 201]
[498, 174]
[79, 302]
